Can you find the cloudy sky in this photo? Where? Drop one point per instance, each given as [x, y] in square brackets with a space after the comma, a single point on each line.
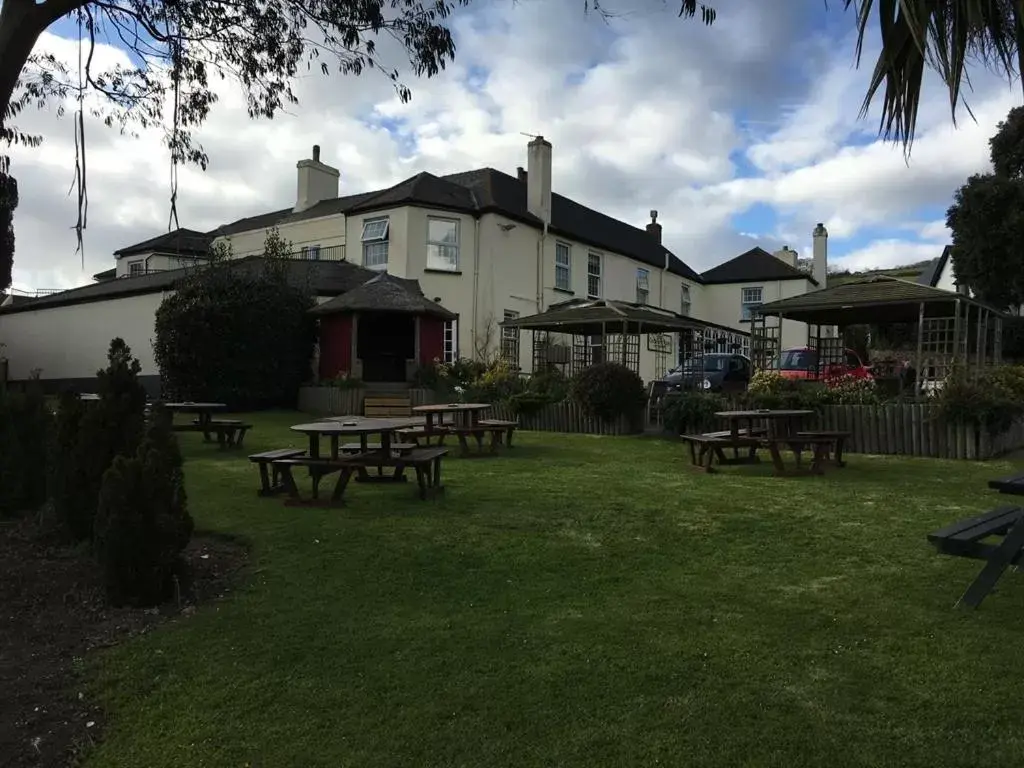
[742, 134]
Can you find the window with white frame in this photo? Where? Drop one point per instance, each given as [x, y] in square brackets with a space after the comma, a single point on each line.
[563, 266]
[510, 340]
[311, 252]
[451, 341]
[443, 244]
[643, 286]
[375, 243]
[594, 275]
[136, 268]
[684, 301]
[750, 300]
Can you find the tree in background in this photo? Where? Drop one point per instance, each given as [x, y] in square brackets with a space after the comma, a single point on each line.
[987, 221]
[237, 331]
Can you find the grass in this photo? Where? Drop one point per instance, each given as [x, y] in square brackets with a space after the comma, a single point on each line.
[582, 601]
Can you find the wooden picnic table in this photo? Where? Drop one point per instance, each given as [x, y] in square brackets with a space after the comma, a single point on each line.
[781, 428]
[464, 414]
[361, 428]
[203, 412]
[466, 422]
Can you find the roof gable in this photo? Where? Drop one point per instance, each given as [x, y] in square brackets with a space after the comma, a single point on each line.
[753, 266]
[384, 293]
[933, 271]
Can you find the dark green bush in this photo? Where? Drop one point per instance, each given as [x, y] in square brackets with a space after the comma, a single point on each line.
[142, 520]
[692, 411]
[25, 427]
[993, 400]
[90, 435]
[242, 339]
[608, 391]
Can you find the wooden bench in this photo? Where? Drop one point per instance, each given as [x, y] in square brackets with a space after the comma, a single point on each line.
[838, 438]
[797, 444]
[427, 463]
[319, 468]
[965, 538]
[387, 407]
[705, 448]
[1013, 485]
[230, 432]
[357, 448]
[478, 432]
[418, 434]
[505, 429]
[270, 476]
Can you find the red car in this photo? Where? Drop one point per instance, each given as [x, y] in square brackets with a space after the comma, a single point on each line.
[802, 363]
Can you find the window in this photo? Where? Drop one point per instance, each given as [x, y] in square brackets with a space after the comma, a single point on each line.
[136, 268]
[375, 243]
[451, 341]
[311, 252]
[750, 299]
[643, 286]
[595, 345]
[594, 275]
[563, 266]
[443, 244]
[684, 301]
[510, 341]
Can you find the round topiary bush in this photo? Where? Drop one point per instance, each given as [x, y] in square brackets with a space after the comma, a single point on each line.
[608, 391]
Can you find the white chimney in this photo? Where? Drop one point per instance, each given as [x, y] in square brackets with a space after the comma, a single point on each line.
[820, 267]
[786, 255]
[538, 178]
[317, 181]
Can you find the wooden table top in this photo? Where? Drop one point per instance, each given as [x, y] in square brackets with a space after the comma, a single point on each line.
[400, 422]
[451, 407]
[187, 406]
[765, 414]
[363, 427]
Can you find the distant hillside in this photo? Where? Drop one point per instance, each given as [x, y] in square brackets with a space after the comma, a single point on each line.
[906, 272]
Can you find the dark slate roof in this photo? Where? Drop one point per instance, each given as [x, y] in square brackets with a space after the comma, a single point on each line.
[931, 273]
[878, 298]
[106, 274]
[501, 193]
[384, 293]
[324, 278]
[287, 215]
[586, 316]
[754, 265]
[423, 188]
[180, 241]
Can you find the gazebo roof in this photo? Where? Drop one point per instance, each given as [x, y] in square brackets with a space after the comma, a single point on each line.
[877, 299]
[587, 316]
[384, 293]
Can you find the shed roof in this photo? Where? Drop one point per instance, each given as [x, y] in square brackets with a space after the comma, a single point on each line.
[384, 293]
[878, 299]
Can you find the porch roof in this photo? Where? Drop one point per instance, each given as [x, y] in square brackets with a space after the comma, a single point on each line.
[875, 300]
[583, 316]
[384, 293]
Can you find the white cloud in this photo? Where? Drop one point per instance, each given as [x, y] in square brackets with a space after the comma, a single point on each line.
[645, 112]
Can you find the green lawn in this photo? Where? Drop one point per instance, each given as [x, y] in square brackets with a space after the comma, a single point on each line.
[582, 601]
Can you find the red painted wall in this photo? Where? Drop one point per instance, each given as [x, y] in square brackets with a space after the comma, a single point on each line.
[335, 345]
[431, 339]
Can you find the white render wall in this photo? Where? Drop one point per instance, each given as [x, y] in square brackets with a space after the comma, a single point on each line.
[71, 342]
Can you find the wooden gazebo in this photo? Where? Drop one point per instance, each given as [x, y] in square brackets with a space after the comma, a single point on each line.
[608, 330]
[949, 329]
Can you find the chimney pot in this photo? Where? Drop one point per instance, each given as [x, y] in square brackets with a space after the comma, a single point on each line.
[316, 152]
[521, 173]
[654, 228]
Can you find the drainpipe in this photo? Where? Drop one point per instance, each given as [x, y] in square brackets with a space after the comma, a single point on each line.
[540, 267]
[476, 283]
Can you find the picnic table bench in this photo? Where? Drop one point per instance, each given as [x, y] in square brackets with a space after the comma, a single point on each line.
[425, 461]
[708, 446]
[966, 538]
[229, 432]
[270, 476]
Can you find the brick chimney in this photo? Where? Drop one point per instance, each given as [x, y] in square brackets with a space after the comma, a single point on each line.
[654, 228]
[538, 178]
[316, 181]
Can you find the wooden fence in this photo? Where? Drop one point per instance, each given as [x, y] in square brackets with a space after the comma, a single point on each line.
[334, 401]
[909, 429]
[563, 417]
